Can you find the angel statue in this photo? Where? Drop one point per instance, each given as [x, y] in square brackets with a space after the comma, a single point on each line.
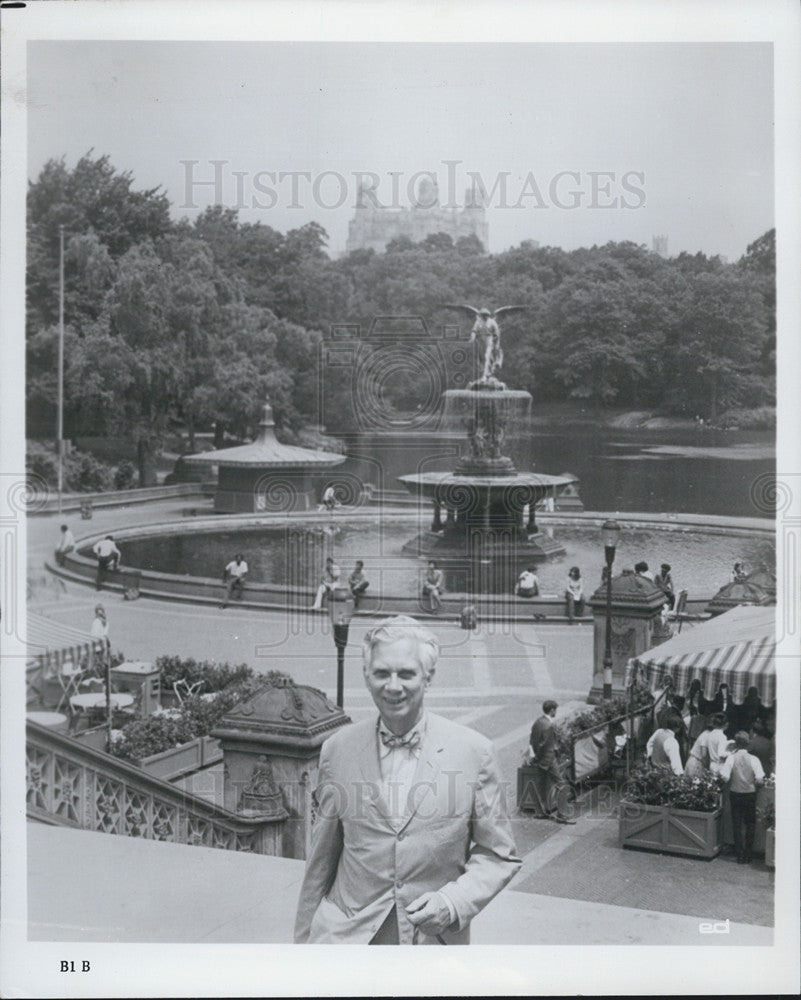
[487, 331]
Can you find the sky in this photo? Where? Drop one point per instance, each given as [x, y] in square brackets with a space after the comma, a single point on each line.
[684, 129]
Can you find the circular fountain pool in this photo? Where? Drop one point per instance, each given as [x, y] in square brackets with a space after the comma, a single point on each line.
[290, 554]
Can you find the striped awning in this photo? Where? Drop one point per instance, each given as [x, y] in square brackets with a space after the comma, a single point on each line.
[50, 641]
[737, 648]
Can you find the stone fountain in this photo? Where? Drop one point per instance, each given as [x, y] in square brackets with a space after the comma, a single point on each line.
[484, 532]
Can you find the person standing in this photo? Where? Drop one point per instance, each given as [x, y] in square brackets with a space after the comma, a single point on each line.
[66, 544]
[101, 644]
[662, 749]
[543, 750]
[664, 581]
[743, 773]
[574, 594]
[330, 581]
[234, 579]
[358, 583]
[99, 631]
[710, 749]
[433, 586]
[108, 558]
[411, 837]
[762, 747]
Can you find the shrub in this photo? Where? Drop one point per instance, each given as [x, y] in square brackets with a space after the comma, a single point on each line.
[569, 729]
[653, 787]
[215, 676]
[125, 475]
[87, 474]
[83, 473]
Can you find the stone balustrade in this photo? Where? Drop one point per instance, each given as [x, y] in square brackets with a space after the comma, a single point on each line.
[70, 784]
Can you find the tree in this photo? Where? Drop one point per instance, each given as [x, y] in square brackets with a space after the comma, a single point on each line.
[437, 243]
[92, 198]
[136, 363]
[722, 327]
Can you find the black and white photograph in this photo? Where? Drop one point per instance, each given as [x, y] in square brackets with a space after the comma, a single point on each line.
[400, 498]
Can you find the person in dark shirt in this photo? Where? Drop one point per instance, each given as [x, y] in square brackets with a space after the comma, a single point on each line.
[762, 747]
[543, 749]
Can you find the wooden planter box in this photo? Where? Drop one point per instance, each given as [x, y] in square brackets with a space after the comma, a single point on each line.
[675, 831]
[770, 848]
[183, 759]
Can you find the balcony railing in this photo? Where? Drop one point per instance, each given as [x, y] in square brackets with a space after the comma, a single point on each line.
[69, 784]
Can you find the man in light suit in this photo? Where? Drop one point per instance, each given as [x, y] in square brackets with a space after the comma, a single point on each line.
[411, 838]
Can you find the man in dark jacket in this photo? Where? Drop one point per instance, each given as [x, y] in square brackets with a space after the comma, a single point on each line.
[543, 749]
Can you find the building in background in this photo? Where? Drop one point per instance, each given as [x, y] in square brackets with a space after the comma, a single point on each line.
[373, 226]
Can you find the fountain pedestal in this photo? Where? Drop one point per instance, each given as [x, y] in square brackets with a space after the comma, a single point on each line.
[488, 533]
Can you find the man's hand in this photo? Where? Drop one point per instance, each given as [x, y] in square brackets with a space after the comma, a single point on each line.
[430, 913]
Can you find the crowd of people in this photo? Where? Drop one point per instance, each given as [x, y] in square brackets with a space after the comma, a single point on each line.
[733, 743]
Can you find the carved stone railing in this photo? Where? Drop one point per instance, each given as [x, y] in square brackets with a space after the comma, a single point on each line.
[69, 784]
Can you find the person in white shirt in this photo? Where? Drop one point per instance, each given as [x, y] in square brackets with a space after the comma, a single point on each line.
[234, 578]
[710, 749]
[330, 582]
[108, 558]
[412, 838]
[66, 544]
[662, 749]
[641, 569]
[99, 632]
[743, 773]
[528, 585]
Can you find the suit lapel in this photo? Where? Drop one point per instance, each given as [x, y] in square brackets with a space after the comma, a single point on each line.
[428, 767]
[370, 768]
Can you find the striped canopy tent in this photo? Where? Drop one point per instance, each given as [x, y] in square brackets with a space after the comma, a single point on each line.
[737, 648]
[50, 642]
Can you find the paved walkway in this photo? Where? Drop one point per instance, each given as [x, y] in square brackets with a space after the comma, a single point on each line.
[147, 892]
[576, 886]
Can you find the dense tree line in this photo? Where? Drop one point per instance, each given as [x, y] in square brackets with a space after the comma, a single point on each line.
[195, 322]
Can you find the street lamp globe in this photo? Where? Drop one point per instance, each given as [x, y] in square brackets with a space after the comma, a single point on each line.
[610, 532]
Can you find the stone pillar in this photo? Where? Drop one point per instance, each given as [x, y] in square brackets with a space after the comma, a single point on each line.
[636, 606]
[271, 747]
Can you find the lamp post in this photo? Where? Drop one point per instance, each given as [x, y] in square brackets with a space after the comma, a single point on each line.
[609, 532]
[60, 443]
[340, 608]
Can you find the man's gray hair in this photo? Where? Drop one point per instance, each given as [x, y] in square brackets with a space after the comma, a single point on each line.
[402, 627]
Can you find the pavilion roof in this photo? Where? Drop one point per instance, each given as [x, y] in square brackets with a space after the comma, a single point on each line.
[267, 451]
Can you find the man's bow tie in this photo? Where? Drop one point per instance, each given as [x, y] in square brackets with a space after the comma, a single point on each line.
[409, 741]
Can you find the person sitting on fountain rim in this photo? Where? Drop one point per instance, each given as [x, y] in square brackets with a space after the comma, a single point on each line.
[664, 581]
[528, 585]
[66, 544]
[358, 582]
[574, 594]
[234, 579]
[433, 586]
[329, 582]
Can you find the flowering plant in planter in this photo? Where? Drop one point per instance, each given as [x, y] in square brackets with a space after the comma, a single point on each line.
[195, 717]
[613, 708]
[650, 786]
